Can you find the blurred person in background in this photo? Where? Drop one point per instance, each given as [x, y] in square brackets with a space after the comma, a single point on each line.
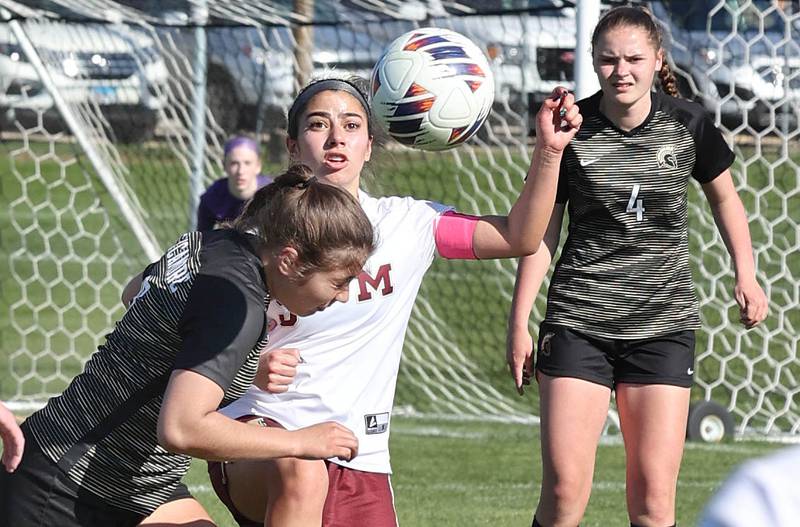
[225, 198]
[763, 491]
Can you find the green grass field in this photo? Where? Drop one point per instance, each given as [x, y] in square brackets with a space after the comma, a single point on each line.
[455, 474]
[447, 472]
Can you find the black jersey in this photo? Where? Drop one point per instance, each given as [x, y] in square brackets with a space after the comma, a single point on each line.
[624, 269]
[202, 307]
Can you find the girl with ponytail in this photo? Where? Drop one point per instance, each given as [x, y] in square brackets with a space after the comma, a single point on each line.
[114, 446]
[621, 309]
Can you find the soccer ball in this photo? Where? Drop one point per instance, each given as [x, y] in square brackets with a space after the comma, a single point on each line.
[432, 89]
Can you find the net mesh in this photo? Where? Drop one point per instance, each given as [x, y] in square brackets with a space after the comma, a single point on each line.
[100, 146]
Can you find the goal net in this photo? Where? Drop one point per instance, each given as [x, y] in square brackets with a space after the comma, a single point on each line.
[114, 114]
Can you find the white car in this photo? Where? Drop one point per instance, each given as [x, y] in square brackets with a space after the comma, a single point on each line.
[116, 67]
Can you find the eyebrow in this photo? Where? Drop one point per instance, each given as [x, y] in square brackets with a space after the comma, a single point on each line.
[327, 115]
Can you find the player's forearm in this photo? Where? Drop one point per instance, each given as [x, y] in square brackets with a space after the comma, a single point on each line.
[530, 275]
[529, 216]
[731, 220]
[216, 437]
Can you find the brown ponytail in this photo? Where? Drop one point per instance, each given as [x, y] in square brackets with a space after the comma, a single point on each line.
[324, 223]
[667, 79]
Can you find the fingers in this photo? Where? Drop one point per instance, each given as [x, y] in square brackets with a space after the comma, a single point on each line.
[518, 355]
[753, 304]
[13, 440]
[562, 112]
[277, 369]
[345, 443]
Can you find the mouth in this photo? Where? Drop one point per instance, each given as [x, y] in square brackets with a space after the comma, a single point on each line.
[335, 160]
[622, 86]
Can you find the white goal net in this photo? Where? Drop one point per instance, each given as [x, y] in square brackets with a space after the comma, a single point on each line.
[113, 115]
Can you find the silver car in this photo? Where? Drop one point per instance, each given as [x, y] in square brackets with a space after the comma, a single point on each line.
[740, 59]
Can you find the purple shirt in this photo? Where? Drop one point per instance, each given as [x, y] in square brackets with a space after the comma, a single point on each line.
[217, 204]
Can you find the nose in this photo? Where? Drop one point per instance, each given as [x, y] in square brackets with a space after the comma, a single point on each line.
[621, 69]
[336, 135]
[343, 296]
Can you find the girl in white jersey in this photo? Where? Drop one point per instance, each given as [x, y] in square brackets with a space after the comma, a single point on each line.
[621, 311]
[349, 369]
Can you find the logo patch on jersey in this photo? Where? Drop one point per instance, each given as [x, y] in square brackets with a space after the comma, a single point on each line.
[544, 349]
[178, 263]
[376, 423]
[586, 161]
[666, 157]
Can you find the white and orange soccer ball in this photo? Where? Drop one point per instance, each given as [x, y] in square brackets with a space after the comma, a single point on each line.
[432, 89]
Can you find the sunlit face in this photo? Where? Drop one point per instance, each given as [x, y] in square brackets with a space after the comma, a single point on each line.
[314, 292]
[626, 63]
[242, 166]
[333, 138]
[304, 295]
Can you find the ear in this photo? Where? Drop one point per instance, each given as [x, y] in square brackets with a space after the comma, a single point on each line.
[291, 146]
[659, 60]
[287, 262]
[369, 150]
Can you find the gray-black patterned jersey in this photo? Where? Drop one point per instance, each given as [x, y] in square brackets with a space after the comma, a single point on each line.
[624, 269]
[201, 307]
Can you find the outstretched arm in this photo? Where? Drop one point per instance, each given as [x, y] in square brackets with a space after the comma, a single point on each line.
[13, 440]
[521, 232]
[731, 220]
[530, 274]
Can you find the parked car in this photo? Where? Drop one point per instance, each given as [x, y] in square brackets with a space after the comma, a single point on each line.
[531, 47]
[740, 59]
[116, 67]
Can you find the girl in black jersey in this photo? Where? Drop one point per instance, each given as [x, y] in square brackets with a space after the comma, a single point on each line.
[114, 446]
[621, 310]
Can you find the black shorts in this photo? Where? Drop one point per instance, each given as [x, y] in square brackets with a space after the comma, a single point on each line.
[666, 359]
[39, 494]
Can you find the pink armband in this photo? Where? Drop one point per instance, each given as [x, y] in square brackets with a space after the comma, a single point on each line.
[453, 233]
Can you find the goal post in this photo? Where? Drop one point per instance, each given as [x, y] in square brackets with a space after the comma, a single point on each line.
[102, 165]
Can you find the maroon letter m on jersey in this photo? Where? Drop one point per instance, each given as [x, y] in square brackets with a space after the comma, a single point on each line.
[381, 276]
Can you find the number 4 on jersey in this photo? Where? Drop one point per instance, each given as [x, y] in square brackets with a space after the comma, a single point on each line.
[636, 205]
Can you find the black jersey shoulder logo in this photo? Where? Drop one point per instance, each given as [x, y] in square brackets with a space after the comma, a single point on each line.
[666, 157]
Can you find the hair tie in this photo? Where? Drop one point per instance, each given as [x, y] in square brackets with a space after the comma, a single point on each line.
[305, 184]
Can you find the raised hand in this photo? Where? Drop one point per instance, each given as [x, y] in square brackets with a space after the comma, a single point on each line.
[558, 119]
[326, 440]
[276, 369]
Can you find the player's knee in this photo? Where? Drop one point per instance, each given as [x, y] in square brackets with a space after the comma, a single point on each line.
[302, 480]
[571, 489]
[656, 503]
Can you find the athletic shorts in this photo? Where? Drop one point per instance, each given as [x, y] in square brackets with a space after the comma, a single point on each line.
[354, 497]
[39, 494]
[666, 359]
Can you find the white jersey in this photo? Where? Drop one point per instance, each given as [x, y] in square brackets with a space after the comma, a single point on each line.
[351, 352]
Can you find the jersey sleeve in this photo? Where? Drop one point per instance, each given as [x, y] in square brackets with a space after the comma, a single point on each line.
[713, 154]
[221, 323]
